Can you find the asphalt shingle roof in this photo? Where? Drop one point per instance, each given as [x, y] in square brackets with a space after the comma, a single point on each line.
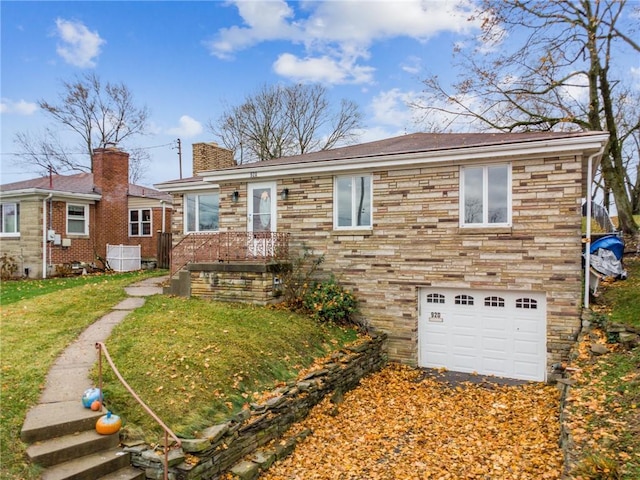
[79, 183]
[416, 142]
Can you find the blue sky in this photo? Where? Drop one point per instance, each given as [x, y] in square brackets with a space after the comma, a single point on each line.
[186, 60]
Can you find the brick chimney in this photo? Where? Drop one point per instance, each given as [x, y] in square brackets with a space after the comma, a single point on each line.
[111, 178]
[210, 156]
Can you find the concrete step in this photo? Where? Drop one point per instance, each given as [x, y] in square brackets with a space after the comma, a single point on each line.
[67, 447]
[50, 420]
[127, 473]
[89, 467]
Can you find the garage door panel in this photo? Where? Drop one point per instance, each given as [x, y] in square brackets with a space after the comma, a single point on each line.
[490, 332]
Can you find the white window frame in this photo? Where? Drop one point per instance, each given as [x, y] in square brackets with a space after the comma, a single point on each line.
[85, 218]
[16, 206]
[197, 212]
[485, 197]
[336, 208]
[141, 222]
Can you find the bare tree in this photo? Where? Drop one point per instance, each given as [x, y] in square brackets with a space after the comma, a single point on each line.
[281, 121]
[557, 71]
[99, 115]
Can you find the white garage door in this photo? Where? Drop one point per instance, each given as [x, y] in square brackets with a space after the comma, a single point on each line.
[500, 333]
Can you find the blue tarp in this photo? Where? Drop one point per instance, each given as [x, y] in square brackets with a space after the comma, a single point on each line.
[609, 242]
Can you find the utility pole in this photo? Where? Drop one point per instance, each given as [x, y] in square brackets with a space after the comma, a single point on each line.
[180, 156]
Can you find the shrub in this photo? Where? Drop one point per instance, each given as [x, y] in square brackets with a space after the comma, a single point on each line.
[329, 302]
[8, 267]
[296, 276]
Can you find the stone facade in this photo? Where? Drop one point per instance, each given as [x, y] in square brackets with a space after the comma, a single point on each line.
[244, 282]
[26, 250]
[221, 447]
[416, 241]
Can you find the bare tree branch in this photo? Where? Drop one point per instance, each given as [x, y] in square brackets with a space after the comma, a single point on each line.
[281, 121]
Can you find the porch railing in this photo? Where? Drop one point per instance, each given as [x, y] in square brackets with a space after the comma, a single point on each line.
[229, 247]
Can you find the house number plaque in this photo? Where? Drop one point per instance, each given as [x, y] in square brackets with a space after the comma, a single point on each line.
[435, 317]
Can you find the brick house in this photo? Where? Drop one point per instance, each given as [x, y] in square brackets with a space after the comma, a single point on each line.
[69, 219]
[466, 249]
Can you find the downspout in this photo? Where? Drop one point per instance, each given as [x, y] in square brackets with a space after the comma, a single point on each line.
[163, 214]
[44, 233]
[587, 253]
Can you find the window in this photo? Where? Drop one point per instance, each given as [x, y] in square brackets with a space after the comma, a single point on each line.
[77, 219]
[352, 202]
[494, 302]
[140, 222]
[435, 298]
[527, 303]
[463, 300]
[10, 218]
[486, 194]
[202, 212]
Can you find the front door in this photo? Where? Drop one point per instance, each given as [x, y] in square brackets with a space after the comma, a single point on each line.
[261, 217]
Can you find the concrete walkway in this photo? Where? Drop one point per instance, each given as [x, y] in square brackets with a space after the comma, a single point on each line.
[69, 376]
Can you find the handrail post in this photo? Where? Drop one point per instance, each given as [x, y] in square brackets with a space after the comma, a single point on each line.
[103, 349]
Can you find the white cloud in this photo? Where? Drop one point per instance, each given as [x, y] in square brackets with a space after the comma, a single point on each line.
[337, 35]
[79, 46]
[412, 65]
[391, 108]
[321, 69]
[188, 127]
[21, 107]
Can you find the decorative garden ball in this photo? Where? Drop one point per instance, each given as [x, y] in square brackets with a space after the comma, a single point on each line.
[91, 395]
[108, 424]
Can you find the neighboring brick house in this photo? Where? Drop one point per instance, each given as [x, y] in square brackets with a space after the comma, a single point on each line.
[69, 219]
[466, 249]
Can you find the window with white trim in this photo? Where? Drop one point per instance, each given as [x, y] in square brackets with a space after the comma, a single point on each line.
[202, 212]
[9, 219]
[77, 219]
[352, 202]
[485, 196]
[140, 222]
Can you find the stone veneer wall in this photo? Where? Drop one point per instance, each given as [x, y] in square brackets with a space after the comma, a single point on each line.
[233, 282]
[222, 446]
[26, 249]
[416, 242]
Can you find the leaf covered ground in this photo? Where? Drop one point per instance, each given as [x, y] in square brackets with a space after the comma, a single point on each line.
[401, 424]
[603, 412]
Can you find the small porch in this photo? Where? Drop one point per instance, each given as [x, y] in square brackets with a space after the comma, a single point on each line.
[229, 266]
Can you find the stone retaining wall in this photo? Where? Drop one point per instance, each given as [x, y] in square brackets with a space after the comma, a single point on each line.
[223, 446]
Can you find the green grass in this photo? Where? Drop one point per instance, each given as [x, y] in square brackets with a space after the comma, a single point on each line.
[193, 361]
[621, 299]
[33, 333]
[13, 291]
[196, 362]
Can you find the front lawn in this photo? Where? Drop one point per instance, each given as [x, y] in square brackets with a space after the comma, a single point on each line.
[34, 331]
[196, 362]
